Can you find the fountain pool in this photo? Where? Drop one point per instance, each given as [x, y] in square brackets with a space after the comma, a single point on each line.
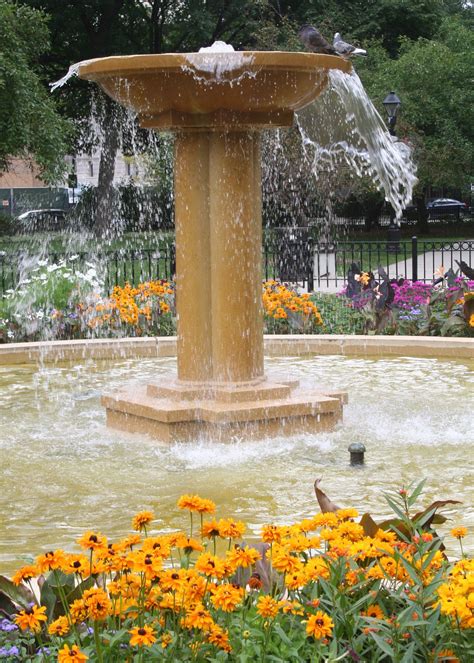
[64, 471]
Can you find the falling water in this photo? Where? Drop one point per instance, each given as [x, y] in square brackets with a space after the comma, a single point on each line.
[342, 128]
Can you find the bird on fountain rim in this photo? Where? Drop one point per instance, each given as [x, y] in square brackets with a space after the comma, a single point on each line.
[344, 48]
[314, 40]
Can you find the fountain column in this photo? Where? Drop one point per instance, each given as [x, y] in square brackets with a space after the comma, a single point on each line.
[193, 256]
[236, 257]
[218, 257]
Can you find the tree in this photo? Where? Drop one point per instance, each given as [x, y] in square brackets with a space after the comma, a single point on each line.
[30, 125]
[432, 78]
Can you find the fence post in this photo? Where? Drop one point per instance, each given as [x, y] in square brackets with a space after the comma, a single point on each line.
[414, 258]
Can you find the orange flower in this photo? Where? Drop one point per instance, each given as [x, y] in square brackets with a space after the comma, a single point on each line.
[211, 566]
[25, 573]
[75, 564]
[97, 603]
[227, 597]
[198, 618]
[142, 636]
[231, 529]
[319, 625]
[459, 532]
[374, 611]
[271, 533]
[60, 626]
[218, 637]
[92, 541]
[50, 561]
[243, 556]
[210, 529]
[196, 503]
[71, 655]
[141, 520]
[31, 618]
[267, 607]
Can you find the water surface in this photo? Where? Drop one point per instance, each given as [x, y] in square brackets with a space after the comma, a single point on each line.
[63, 471]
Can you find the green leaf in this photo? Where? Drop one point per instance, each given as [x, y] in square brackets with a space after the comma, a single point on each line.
[20, 595]
[408, 655]
[78, 591]
[416, 493]
[384, 646]
[278, 629]
[48, 598]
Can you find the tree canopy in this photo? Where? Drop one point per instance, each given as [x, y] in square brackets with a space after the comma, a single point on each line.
[30, 126]
[422, 49]
[433, 78]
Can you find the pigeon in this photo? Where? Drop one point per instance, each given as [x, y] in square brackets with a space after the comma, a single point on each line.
[345, 49]
[314, 40]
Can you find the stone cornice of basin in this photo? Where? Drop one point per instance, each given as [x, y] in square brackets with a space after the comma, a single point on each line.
[245, 89]
[275, 345]
[121, 65]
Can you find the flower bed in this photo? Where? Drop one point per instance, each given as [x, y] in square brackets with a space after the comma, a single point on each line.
[326, 588]
[57, 301]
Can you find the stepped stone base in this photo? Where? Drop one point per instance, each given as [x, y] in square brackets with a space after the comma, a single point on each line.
[173, 411]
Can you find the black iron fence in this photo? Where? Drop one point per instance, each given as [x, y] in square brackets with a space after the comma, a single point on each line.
[293, 255]
[288, 255]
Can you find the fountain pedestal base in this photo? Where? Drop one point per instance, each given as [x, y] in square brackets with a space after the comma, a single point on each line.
[186, 411]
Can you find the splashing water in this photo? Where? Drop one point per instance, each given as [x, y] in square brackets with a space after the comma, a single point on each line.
[219, 68]
[342, 128]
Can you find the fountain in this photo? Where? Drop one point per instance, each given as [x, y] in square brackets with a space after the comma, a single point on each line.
[217, 103]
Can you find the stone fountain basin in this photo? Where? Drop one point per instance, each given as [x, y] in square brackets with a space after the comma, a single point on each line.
[251, 88]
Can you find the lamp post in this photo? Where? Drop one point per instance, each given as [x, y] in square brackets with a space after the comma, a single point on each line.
[392, 103]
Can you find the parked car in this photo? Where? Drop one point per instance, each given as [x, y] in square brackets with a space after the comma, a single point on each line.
[42, 219]
[446, 207]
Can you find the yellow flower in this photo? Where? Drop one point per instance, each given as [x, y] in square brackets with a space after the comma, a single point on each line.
[142, 636]
[71, 655]
[92, 541]
[50, 561]
[166, 638]
[218, 637]
[271, 533]
[31, 618]
[268, 607]
[25, 573]
[60, 626]
[243, 556]
[284, 560]
[231, 529]
[75, 564]
[141, 520]
[196, 503]
[374, 611]
[97, 603]
[459, 532]
[211, 566]
[210, 529]
[319, 625]
[198, 618]
[226, 597]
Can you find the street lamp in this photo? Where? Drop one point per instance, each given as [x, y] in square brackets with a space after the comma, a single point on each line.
[392, 103]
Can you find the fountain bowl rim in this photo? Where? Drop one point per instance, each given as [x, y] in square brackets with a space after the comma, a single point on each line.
[120, 65]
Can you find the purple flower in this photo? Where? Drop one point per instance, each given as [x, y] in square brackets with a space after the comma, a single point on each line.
[7, 625]
[9, 651]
